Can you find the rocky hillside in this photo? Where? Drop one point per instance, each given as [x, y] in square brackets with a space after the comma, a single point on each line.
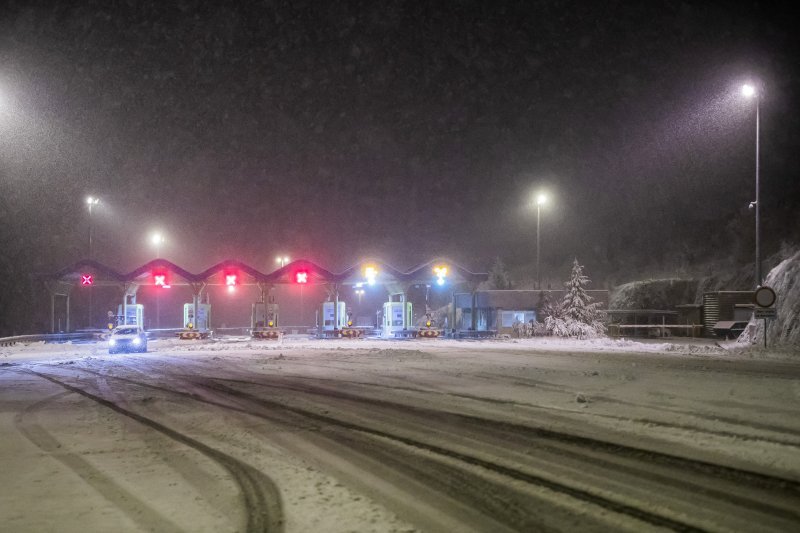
[785, 330]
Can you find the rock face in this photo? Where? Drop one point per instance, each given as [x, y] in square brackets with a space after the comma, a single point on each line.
[654, 294]
[784, 279]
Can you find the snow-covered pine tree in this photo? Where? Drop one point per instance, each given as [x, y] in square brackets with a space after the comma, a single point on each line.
[546, 307]
[576, 316]
[577, 306]
[498, 276]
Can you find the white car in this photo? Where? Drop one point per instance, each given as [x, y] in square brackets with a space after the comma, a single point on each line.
[127, 339]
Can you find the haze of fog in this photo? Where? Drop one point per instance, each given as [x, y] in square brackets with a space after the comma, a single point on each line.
[332, 131]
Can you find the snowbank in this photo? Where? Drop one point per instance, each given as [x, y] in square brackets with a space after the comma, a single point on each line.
[244, 346]
[784, 331]
[654, 294]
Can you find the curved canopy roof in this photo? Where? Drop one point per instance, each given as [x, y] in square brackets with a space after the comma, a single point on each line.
[423, 273]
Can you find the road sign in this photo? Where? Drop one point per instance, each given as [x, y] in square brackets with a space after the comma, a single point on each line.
[764, 297]
[765, 312]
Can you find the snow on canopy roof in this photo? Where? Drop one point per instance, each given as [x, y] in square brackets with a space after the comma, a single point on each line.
[285, 274]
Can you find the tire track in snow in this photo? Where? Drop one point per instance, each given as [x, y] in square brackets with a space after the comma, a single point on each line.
[561, 410]
[643, 457]
[135, 509]
[262, 500]
[739, 475]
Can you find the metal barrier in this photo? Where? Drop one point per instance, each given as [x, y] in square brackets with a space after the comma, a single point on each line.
[48, 337]
[658, 330]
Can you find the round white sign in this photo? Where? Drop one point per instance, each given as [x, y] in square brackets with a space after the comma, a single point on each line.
[764, 297]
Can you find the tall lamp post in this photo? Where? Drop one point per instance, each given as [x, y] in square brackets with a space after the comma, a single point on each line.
[158, 239]
[541, 199]
[283, 260]
[749, 91]
[91, 201]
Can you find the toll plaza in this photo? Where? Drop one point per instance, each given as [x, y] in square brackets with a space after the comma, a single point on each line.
[371, 280]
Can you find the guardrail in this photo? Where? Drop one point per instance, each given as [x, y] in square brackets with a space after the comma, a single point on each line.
[660, 330]
[47, 337]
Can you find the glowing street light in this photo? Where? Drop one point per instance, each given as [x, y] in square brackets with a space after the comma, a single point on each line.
[370, 273]
[749, 91]
[282, 260]
[541, 199]
[441, 274]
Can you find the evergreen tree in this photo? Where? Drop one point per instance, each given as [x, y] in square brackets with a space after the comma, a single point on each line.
[576, 316]
[577, 302]
[546, 307]
[498, 276]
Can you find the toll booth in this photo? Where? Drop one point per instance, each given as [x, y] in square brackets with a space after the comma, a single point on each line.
[397, 318]
[196, 327]
[130, 315]
[330, 320]
[264, 320]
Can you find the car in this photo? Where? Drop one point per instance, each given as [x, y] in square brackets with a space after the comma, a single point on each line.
[127, 339]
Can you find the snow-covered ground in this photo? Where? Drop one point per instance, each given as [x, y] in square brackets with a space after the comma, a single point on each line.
[41, 351]
[374, 435]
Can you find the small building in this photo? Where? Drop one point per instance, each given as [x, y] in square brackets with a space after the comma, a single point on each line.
[496, 311]
[726, 306]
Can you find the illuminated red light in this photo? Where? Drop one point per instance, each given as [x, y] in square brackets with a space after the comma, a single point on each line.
[87, 279]
[230, 280]
[161, 281]
[301, 277]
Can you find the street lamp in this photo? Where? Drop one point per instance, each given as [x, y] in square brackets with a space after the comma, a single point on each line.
[282, 260]
[750, 91]
[541, 199]
[157, 239]
[91, 201]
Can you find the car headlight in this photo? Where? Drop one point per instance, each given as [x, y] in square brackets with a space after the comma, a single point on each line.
[112, 342]
[137, 341]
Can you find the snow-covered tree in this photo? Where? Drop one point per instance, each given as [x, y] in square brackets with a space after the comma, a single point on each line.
[545, 306]
[576, 316]
[498, 276]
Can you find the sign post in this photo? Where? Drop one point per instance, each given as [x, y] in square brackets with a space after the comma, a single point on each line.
[764, 298]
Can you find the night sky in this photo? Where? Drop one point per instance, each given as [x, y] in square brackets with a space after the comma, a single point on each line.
[406, 130]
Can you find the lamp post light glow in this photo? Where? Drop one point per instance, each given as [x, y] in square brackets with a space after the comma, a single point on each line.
[541, 199]
[441, 274]
[749, 91]
[370, 273]
[157, 239]
[282, 260]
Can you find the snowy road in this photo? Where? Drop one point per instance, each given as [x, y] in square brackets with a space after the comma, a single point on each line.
[397, 436]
